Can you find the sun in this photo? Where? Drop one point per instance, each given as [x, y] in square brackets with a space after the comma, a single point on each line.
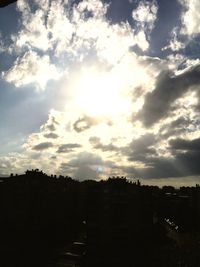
[99, 93]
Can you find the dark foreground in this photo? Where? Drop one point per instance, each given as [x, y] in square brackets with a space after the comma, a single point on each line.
[56, 221]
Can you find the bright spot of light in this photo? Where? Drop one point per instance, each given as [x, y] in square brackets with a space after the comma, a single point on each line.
[101, 94]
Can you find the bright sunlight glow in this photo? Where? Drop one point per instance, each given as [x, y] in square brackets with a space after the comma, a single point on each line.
[101, 94]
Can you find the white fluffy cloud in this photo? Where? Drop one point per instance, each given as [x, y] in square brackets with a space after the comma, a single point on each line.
[72, 33]
[190, 17]
[145, 16]
[175, 44]
[31, 68]
[69, 32]
[189, 27]
[146, 13]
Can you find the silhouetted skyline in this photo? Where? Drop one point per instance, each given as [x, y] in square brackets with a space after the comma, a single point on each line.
[57, 221]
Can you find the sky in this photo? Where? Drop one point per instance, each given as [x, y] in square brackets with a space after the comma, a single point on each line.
[99, 88]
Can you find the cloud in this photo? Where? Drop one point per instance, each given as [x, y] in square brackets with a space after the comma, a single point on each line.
[80, 173]
[84, 123]
[141, 40]
[189, 162]
[141, 148]
[33, 32]
[168, 89]
[15, 163]
[42, 146]
[55, 35]
[31, 68]
[65, 148]
[183, 162]
[51, 135]
[90, 159]
[87, 165]
[185, 34]
[104, 86]
[52, 123]
[163, 167]
[182, 144]
[175, 44]
[96, 9]
[145, 16]
[86, 158]
[96, 143]
[5, 165]
[176, 127]
[190, 17]
[155, 168]
[86, 173]
[51, 127]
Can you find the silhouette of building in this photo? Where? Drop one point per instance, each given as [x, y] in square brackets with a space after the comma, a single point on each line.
[4, 3]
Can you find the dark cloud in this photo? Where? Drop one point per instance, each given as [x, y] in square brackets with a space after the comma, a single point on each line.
[109, 147]
[91, 160]
[86, 173]
[51, 124]
[180, 122]
[35, 155]
[51, 135]
[51, 127]
[159, 167]
[86, 158]
[168, 88]
[156, 168]
[94, 140]
[65, 167]
[176, 127]
[43, 146]
[184, 162]
[139, 145]
[138, 91]
[96, 143]
[182, 144]
[189, 162]
[85, 166]
[83, 172]
[84, 123]
[182, 165]
[5, 165]
[65, 148]
[141, 148]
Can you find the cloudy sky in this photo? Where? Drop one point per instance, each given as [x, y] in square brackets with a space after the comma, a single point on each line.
[96, 88]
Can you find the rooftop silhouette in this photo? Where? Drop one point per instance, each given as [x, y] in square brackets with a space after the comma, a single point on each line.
[4, 3]
[56, 220]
